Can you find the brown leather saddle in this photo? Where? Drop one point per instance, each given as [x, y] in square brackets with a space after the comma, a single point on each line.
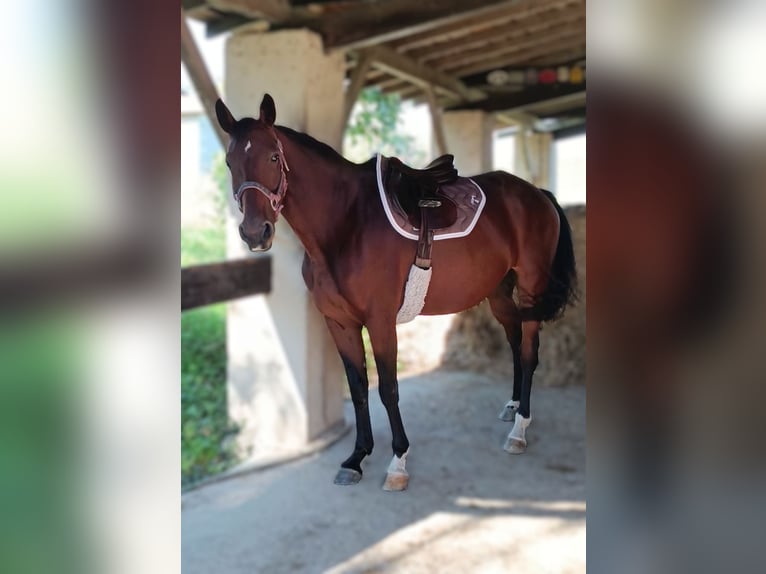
[429, 201]
[417, 192]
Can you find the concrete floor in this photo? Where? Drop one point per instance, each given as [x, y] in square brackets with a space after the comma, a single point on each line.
[470, 506]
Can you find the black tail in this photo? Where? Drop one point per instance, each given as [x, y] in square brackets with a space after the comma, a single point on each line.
[562, 285]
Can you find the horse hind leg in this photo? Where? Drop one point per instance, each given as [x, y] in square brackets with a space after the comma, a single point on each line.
[507, 314]
[516, 442]
[522, 331]
[530, 289]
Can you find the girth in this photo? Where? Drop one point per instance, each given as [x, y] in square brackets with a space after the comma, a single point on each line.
[426, 235]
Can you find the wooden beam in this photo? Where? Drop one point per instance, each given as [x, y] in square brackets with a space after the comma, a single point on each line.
[200, 77]
[62, 277]
[436, 121]
[407, 91]
[372, 23]
[569, 55]
[357, 82]
[403, 67]
[539, 26]
[192, 4]
[518, 118]
[531, 98]
[274, 11]
[319, 2]
[504, 18]
[384, 81]
[569, 131]
[207, 284]
[569, 45]
[569, 32]
[562, 104]
[573, 122]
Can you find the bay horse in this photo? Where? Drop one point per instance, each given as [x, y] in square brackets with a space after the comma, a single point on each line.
[356, 265]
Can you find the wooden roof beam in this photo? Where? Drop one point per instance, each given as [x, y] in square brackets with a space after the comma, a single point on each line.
[437, 124]
[200, 77]
[571, 32]
[541, 24]
[501, 17]
[398, 65]
[568, 54]
[272, 10]
[519, 59]
[385, 81]
[372, 23]
[355, 86]
[533, 100]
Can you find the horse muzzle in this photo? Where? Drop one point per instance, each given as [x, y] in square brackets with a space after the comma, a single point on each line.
[261, 240]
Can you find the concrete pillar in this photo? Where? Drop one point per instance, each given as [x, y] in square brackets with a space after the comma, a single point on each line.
[469, 138]
[285, 378]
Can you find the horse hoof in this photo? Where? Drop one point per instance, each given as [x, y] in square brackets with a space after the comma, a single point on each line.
[396, 482]
[347, 477]
[508, 413]
[515, 446]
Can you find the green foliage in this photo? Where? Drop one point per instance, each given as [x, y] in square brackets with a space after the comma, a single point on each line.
[43, 412]
[205, 427]
[199, 246]
[374, 127]
[222, 178]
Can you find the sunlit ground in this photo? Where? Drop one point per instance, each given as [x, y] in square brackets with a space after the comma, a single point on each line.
[470, 506]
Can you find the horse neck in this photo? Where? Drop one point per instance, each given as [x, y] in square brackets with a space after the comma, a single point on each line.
[320, 191]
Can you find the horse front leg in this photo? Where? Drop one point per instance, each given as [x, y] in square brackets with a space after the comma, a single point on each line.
[348, 340]
[384, 345]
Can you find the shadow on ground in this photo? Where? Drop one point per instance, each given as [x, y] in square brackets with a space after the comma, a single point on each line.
[470, 506]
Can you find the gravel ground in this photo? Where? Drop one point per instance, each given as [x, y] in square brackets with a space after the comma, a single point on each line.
[470, 507]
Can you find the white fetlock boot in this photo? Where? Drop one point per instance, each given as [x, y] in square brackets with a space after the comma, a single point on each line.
[516, 443]
[397, 477]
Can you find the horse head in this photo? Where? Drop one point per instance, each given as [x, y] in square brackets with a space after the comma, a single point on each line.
[257, 162]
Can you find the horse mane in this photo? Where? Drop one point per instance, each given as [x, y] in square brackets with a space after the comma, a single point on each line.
[321, 148]
[311, 143]
[325, 151]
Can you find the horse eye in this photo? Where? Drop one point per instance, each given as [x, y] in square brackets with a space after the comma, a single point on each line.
[274, 157]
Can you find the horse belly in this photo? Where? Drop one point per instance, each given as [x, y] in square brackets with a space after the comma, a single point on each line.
[456, 288]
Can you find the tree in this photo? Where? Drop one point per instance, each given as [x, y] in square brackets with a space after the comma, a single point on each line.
[374, 127]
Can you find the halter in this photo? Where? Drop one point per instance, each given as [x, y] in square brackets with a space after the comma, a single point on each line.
[276, 198]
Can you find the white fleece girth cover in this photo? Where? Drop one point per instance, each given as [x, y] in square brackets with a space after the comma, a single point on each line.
[414, 294]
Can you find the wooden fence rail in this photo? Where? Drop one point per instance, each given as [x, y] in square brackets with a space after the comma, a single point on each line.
[207, 284]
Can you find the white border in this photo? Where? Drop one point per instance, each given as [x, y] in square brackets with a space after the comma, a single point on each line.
[409, 235]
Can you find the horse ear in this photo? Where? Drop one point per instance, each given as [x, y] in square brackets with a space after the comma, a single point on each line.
[225, 119]
[268, 110]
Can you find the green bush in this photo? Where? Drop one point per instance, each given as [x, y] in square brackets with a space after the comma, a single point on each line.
[205, 426]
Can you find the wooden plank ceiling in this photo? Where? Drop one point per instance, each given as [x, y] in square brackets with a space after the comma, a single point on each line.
[405, 46]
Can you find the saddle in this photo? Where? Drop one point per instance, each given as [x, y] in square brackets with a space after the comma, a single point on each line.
[428, 204]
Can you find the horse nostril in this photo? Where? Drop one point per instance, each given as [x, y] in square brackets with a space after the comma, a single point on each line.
[268, 231]
[242, 233]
